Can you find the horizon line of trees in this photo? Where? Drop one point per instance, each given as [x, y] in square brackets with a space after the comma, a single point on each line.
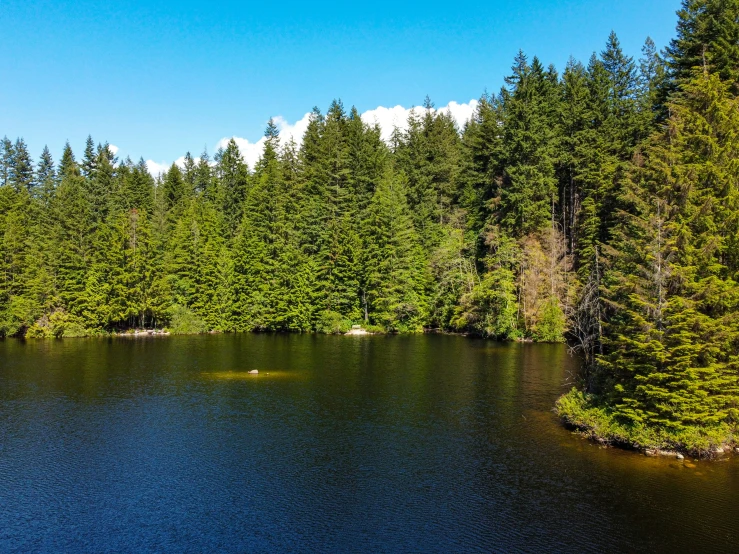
[481, 229]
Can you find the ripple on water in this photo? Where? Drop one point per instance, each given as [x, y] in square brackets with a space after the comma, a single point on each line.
[390, 444]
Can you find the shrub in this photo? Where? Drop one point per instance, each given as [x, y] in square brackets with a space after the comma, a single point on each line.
[185, 322]
[552, 325]
[57, 324]
[332, 323]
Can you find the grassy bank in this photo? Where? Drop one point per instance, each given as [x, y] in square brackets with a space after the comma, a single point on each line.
[583, 412]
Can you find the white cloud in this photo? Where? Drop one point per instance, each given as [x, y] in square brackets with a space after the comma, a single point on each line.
[390, 118]
[461, 113]
[157, 169]
[387, 118]
[161, 168]
[180, 162]
[113, 148]
[294, 131]
[250, 151]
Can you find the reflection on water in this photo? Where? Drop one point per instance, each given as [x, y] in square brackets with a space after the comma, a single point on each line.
[428, 443]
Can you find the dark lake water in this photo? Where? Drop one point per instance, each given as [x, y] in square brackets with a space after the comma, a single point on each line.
[372, 444]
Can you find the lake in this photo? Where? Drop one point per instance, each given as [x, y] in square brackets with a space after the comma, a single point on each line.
[375, 444]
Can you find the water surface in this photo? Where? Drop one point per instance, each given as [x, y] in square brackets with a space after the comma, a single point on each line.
[418, 443]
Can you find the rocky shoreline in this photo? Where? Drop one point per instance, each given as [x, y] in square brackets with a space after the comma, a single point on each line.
[135, 333]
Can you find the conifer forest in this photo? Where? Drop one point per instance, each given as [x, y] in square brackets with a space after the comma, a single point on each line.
[596, 204]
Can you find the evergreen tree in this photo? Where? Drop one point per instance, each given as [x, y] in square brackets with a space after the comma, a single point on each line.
[395, 269]
[652, 82]
[102, 184]
[234, 177]
[257, 241]
[528, 137]
[708, 38]
[174, 188]
[670, 360]
[204, 184]
[189, 175]
[481, 161]
[68, 166]
[89, 160]
[46, 177]
[73, 232]
[6, 161]
[21, 168]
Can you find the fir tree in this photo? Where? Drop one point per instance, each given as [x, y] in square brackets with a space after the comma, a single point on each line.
[21, 168]
[46, 177]
[528, 137]
[708, 38]
[395, 269]
[6, 161]
[670, 361]
[234, 176]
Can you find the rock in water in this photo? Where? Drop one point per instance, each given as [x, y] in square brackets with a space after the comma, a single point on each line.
[680, 456]
[254, 371]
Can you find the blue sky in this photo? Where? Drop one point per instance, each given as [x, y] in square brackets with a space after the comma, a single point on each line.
[160, 78]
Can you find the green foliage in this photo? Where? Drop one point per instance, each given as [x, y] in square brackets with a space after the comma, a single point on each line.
[528, 108]
[183, 321]
[453, 273]
[332, 323]
[19, 315]
[395, 272]
[707, 36]
[490, 308]
[57, 324]
[596, 421]
[552, 325]
[670, 361]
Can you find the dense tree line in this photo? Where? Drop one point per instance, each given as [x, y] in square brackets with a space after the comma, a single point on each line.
[481, 229]
[599, 205]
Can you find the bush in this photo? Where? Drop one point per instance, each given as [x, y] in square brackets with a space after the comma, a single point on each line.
[552, 325]
[18, 317]
[57, 324]
[185, 322]
[332, 323]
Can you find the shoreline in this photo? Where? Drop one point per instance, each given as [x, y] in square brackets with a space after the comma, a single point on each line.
[578, 412]
[373, 331]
